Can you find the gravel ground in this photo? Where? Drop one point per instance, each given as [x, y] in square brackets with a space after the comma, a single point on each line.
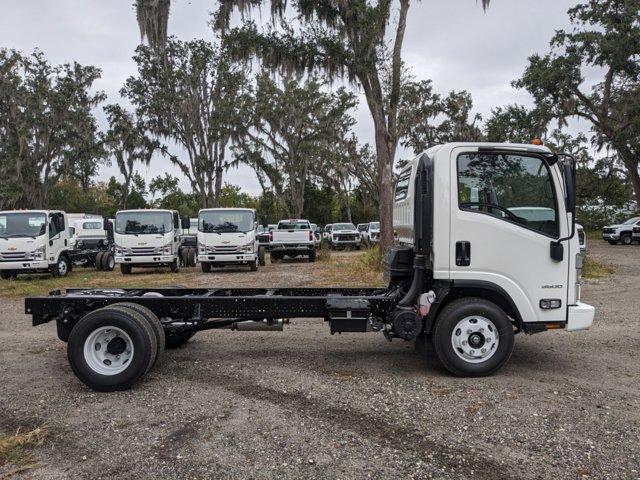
[304, 404]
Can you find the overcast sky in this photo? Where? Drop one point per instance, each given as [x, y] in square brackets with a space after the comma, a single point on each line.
[452, 42]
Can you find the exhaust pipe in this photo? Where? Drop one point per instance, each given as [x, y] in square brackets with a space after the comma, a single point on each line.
[276, 325]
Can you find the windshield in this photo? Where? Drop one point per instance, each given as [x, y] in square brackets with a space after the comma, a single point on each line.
[225, 221]
[294, 225]
[631, 220]
[374, 225]
[23, 224]
[343, 226]
[143, 223]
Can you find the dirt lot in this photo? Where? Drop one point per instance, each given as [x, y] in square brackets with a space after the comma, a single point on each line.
[303, 404]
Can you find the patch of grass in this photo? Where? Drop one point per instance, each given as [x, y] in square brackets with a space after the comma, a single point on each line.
[372, 258]
[361, 270]
[15, 449]
[37, 285]
[323, 254]
[592, 269]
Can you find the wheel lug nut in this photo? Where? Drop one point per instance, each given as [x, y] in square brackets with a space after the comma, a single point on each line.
[484, 350]
[472, 352]
[464, 342]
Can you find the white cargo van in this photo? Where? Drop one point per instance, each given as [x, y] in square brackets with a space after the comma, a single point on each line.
[34, 241]
[228, 236]
[148, 238]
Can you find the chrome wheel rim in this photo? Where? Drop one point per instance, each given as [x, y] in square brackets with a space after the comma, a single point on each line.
[62, 267]
[475, 339]
[108, 350]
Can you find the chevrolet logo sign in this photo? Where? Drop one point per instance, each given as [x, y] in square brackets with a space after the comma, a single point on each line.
[226, 242]
[12, 249]
[142, 243]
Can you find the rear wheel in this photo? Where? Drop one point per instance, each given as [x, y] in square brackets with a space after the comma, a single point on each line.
[108, 262]
[261, 256]
[206, 267]
[125, 268]
[191, 257]
[98, 260]
[152, 320]
[312, 256]
[61, 268]
[111, 348]
[178, 339]
[473, 337]
[183, 257]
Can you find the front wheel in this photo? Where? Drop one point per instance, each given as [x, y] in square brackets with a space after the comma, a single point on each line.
[626, 239]
[206, 267]
[175, 265]
[125, 268]
[254, 265]
[473, 337]
[61, 268]
[612, 242]
[8, 275]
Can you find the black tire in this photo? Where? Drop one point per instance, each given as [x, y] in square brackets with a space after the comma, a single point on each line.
[175, 266]
[191, 257]
[153, 321]
[312, 256]
[62, 267]
[626, 239]
[8, 274]
[444, 331]
[262, 256]
[183, 257]
[125, 268]
[142, 339]
[253, 266]
[98, 260]
[612, 242]
[108, 262]
[206, 267]
[178, 339]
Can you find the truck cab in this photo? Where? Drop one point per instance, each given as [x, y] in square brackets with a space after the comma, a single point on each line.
[228, 236]
[34, 241]
[495, 222]
[148, 238]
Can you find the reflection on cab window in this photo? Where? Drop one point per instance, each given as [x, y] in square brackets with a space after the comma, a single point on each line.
[514, 188]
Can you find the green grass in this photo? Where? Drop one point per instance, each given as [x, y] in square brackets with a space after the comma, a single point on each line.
[593, 270]
[37, 285]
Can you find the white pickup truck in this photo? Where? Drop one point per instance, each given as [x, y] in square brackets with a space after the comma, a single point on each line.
[292, 238]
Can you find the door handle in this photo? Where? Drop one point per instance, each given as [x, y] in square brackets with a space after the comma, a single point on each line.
[463, 254]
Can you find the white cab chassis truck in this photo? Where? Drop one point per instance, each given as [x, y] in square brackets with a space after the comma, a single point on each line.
[34, 241]
[466, 276]
[148, 238]
[228, 236]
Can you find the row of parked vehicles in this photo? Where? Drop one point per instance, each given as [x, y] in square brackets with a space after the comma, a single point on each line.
[40, 241]
[624, 233]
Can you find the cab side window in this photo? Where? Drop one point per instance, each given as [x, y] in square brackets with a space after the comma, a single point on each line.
[515, 188]
[402, 186]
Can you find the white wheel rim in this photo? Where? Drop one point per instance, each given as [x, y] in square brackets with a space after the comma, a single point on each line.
[111, 262]
[62, 267]
[475, 339]
[108, 350]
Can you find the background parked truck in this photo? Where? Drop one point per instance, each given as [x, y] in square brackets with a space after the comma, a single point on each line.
[148, 238]
[228, 236]
[292, 238]
[34, 241]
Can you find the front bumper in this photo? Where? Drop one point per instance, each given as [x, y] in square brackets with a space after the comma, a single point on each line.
[145, 259]
[229, 258]
[580, 316]
[345, 242]
[614, 237]
[26, 265]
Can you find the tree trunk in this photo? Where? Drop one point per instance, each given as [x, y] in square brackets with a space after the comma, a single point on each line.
[385, 162]
[218, 187]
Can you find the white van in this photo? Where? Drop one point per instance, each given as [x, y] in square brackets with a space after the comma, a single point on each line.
[228, 236]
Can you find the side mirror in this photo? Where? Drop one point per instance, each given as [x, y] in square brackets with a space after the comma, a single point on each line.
[569, 173]
[185, 223]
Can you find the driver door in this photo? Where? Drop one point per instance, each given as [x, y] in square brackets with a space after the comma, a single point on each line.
[505, 213]
[57, 235]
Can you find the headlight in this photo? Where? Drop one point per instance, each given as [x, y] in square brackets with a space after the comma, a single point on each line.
[248, 247]
[119, 250]
[201, 248]
[38, 254]
[167, 249]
